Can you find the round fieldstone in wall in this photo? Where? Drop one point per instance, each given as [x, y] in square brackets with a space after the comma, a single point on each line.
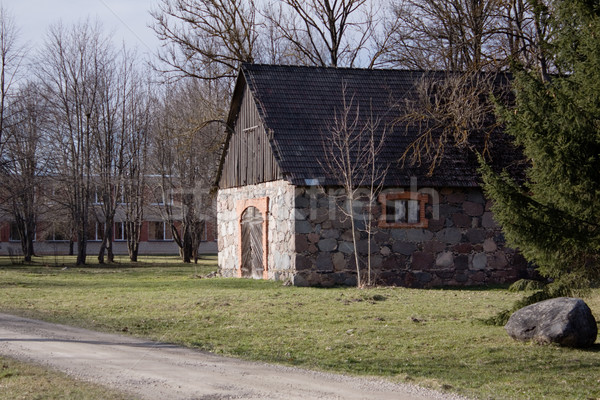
[327, 245]
[479, 261]
[405, 248]
[445, 259]
[473, 209]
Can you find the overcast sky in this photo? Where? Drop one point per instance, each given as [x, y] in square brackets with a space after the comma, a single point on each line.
[128, 19]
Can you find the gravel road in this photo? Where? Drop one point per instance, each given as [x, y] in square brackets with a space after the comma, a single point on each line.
[152, 370]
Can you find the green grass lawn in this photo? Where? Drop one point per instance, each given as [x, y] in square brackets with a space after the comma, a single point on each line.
[430, 337]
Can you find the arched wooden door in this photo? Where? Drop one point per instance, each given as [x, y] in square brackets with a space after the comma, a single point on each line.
[252, 243]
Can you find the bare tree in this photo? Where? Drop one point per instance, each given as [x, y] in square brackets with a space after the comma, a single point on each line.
[351, 147]
[136, 122]
[526, 33]
[453, 35]
[22, 165]
[325, 32]
[447, 109]
[71, 67]
[120, 150]
[206, 39]
[186, 150]
[464, 38]
[470, 35]
[108, 142]
[11, 59]
[18, 166]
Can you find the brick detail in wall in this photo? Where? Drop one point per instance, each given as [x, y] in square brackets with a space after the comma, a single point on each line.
[387, 197]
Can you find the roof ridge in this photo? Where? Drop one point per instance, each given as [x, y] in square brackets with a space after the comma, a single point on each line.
[323, 67]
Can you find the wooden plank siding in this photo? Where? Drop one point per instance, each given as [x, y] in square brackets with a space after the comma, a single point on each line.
[249, 159]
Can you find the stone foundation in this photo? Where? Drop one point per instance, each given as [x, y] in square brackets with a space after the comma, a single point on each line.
[310, 240]
[461, 246]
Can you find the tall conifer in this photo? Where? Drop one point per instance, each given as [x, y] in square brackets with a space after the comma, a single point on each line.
[553, 215]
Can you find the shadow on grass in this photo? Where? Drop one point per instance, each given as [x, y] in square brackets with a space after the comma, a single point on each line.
[69, 261]
[595, 348]
[478, 288]
[45, 266]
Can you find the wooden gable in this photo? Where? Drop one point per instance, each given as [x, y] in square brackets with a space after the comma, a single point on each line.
[249, 158]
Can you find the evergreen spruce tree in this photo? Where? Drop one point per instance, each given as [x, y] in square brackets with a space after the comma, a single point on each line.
[553, 216]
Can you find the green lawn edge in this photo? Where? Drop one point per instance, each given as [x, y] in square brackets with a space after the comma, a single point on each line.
[429, 337]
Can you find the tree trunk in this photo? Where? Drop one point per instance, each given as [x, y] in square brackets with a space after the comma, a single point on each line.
[133, 233]
[101, 252]
[186, 245]
[110, 254]
[354, 240]
[133, 255]
[81, 248]
[186, 251]
[26, 230]
[107, 244]
[28, 253]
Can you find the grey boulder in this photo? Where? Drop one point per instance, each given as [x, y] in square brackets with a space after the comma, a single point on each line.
[564, 320]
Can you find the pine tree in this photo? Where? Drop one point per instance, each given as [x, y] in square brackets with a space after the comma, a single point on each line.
[553, 215]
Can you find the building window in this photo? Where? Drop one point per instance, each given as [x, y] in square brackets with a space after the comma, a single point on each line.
[159, 198]
[122, 195]
[403, 210]
[95, 232]
[120, 234]
[97, 196]
[158, 230]
[55, 234]
[14, 233]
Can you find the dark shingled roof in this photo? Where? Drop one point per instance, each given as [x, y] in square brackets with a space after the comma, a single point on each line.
[298, 106]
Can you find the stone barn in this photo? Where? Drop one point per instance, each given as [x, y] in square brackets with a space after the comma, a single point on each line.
[276, 217]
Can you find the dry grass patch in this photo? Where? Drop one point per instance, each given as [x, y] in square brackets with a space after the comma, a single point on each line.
[23, 381]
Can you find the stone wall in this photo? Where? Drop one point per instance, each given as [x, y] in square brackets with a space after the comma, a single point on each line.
[281, 221]
[461, 246]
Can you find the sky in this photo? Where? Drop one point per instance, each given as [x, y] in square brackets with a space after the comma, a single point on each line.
[127, 19]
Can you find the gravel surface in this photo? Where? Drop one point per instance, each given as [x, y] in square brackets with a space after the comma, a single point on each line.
[153, 370]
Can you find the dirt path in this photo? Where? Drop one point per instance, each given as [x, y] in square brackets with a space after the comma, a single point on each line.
[154, 370]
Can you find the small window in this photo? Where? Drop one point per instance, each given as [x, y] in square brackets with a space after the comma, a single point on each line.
[403, 210]
[95, 232]
[158, 230]
[159, 198]
[97, 196]
[14, 233]
[122, 195]
[55, 234]
[120, 234]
